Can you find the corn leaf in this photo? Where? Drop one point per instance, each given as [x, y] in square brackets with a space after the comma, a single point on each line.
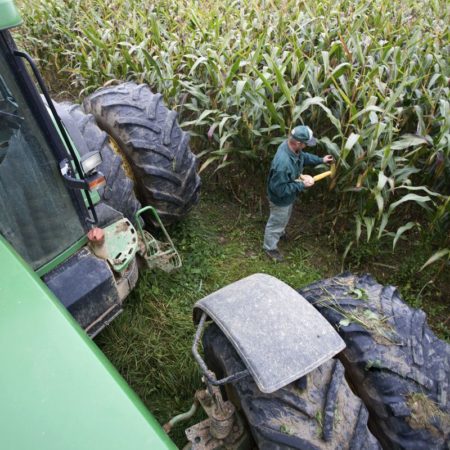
[437, 256]
[409, 198]
[400, 231]
[408, 140]
[207, 163]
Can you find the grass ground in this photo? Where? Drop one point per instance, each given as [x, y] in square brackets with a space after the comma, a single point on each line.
[150, 343]
[220, 242]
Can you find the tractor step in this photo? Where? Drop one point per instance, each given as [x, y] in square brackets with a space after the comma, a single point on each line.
[157, 254]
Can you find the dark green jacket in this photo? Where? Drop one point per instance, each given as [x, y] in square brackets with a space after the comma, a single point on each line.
[286, 167]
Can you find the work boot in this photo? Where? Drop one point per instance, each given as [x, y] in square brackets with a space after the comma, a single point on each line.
[275, 255]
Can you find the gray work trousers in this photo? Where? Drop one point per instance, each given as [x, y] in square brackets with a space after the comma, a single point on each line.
[278, 220]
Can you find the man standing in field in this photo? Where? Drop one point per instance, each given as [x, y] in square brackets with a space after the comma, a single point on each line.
[284, 184]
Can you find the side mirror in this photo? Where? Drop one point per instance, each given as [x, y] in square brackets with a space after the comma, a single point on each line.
[93, 179]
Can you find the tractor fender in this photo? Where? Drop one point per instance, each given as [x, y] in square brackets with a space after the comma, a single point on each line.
[279, 336]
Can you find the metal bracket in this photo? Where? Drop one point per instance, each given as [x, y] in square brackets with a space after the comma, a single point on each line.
[209, 375]
[65, 137]
[157, 254]
[78, 183]
[223, 428]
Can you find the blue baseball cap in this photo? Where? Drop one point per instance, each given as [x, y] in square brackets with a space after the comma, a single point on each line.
[303, 134]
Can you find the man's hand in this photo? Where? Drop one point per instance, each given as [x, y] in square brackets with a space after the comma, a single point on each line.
[327, 159]
[307, 180]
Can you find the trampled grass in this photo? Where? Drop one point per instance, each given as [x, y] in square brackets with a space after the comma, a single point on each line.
[150, 343]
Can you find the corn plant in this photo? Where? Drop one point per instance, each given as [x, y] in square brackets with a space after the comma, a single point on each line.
[370, 77]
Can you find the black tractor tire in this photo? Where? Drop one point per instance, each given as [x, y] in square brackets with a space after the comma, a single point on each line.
[164, 167]
[118, 192]
[317, 412]
[393, 361]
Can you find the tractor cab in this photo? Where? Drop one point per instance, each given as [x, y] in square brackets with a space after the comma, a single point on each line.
[40, 218]
[45, 216]
[83, 248]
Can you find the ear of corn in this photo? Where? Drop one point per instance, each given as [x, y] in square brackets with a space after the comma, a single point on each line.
[322, 175]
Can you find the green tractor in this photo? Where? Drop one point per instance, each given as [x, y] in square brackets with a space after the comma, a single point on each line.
[80, 188]
[70, 205]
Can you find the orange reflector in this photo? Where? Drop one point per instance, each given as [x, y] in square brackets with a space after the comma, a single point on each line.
[97, 182]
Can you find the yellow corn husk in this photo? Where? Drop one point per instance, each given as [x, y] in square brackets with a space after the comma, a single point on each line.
[322, 175]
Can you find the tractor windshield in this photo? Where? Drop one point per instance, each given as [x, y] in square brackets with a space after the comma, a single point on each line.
[37, 215]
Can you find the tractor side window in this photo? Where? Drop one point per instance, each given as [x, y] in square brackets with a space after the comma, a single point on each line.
[37, 216]
[9, 120]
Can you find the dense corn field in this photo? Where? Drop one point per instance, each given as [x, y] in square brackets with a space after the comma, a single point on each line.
[370, 77]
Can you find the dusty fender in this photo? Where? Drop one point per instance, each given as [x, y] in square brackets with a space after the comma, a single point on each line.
[279, 336]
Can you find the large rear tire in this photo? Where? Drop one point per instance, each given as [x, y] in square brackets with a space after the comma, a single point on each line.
[157, 149]
[323, 414]
[393, 360]
[118, 192]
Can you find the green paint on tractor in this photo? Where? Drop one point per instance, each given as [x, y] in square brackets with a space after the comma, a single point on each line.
[48, 401]
[62, 257]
